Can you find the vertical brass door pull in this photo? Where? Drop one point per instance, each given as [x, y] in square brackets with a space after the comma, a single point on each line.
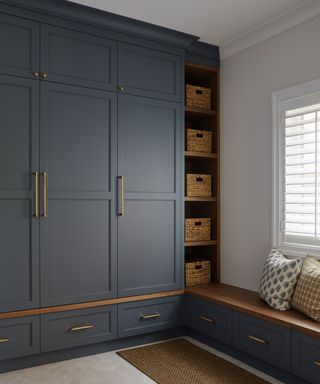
[36, 194]
[44, 174]
[121, 195]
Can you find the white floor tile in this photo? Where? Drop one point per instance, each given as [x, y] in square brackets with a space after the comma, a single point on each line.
[104, 368]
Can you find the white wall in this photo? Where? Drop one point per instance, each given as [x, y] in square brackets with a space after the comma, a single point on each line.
[247, 80]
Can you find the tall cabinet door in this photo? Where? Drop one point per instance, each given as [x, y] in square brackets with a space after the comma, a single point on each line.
[19, 158]
[78, 227]
[149, 158]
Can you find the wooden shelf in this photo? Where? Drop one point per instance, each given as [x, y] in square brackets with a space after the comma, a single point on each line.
[199, 111]
[199, 243]
[208, 199]
[201, 155]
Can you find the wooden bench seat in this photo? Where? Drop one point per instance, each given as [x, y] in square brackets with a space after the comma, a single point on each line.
[249, 302]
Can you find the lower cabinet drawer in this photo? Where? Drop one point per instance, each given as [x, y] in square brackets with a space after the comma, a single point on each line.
[306, 357]
[210, 319]
[262, 340]
[19, 337]
[149, 316]
[75, 328]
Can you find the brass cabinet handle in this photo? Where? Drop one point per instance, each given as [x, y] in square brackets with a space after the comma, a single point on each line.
[257, 339]
[317, 363]
[120, 88]
[36, 74]
[44, 75]
[208, 319]
[4, 340]
[153, 316]
[81, 328]
[36, 194]
[44, 174]
[121, 195]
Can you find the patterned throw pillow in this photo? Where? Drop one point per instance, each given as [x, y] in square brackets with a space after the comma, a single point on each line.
[307, 295]
[279, 278]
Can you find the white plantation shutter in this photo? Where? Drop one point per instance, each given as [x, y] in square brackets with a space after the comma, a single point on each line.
[296, 221]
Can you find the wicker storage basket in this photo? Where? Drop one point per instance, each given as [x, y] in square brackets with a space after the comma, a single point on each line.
[199, 141]
[198, 185]
[197, 229]
[198, 272]
[199, 97]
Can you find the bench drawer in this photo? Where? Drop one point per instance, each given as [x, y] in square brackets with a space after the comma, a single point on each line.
[306, 357]
[75, 328]
[19, 337]
[210, 319]
[262, 340]
[149, 316]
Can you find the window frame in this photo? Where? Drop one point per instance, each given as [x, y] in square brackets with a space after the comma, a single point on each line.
[278, 98]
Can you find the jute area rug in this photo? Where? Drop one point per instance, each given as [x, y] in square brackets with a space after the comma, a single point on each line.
[181, 362]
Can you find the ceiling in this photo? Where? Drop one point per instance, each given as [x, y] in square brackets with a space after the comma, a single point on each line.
[217, 22]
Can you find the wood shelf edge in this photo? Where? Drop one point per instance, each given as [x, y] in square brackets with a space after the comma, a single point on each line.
[202, 155]
[90, 304]
[204, 199]
[200, 111]
[200, 243]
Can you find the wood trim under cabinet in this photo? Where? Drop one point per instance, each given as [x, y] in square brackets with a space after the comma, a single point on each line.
[89, 304]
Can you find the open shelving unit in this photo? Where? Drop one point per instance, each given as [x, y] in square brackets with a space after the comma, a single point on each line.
[204, 163]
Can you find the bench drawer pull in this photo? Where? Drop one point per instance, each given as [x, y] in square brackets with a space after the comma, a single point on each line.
[317, 363]
[81, 328]
[153, 316]
[258, 339]
[207, 319]
[4, 340]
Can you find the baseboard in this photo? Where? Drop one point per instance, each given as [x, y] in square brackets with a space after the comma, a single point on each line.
[258, 364]
[73, 353]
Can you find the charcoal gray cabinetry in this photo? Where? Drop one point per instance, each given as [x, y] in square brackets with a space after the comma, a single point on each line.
[19, 46]
[148, 72]
[78, 235]
[149, 160]
[19, 158]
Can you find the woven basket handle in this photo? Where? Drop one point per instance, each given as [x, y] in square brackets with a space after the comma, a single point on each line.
[199, 92]
[197, 223]
[199, 179]
[200, 135]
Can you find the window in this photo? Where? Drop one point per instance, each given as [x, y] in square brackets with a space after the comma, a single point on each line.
[296, 169]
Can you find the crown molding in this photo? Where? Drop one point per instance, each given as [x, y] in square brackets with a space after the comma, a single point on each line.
[98, 18]
[282, 23]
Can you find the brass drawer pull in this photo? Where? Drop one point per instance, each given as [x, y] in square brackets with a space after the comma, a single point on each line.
[81, 328]
[44, 174]
[4, 340]
[317, 363]
[153, 316]
[36, 194]
[207, 319]
[121, 195]
[258, 339]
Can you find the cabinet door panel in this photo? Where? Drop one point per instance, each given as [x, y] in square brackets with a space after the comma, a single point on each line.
[149, 232]
[19, 157]
[147, 72]
[77, 58]
[19, 46]
[78, 236]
